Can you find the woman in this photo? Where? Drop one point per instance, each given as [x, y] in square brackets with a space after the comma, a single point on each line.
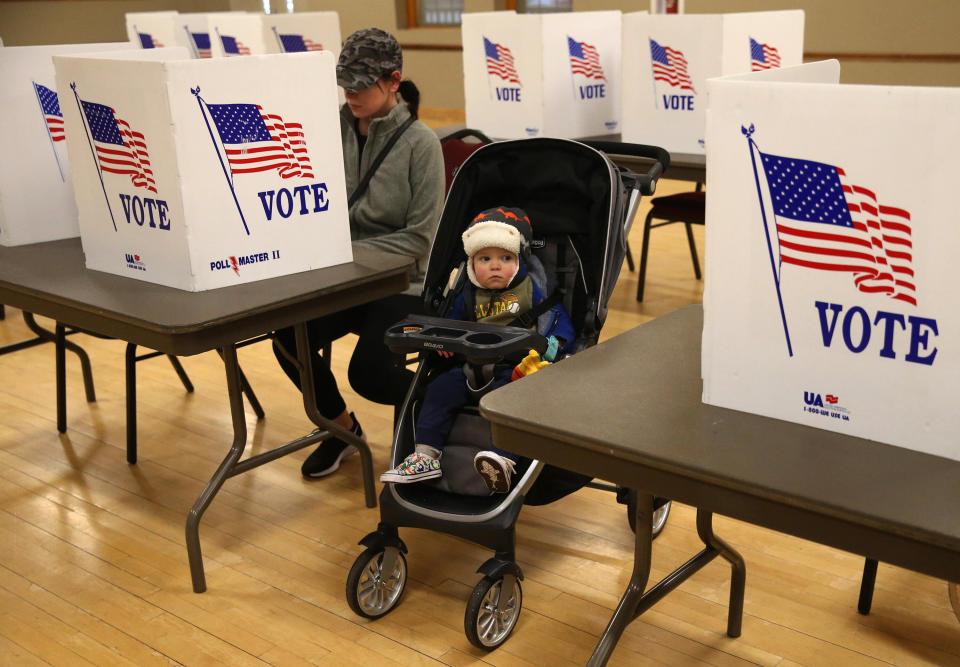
[396, 213]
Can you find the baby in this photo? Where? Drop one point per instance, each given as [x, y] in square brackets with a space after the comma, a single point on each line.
[499, 290]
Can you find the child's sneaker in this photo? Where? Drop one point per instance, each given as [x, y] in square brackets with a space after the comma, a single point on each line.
[415, 468]
[496, 470]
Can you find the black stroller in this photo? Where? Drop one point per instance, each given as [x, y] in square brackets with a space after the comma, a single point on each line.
[579, 202]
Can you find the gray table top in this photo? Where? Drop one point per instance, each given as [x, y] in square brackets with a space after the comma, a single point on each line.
[50, 279]
[629, 410]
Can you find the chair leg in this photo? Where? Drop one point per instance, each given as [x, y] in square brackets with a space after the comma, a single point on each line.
[181, 373]
[693, 251]
[251, 397]
[327, 351]
[867, 581]
[630, 259]
[3, 312]
[642, 268]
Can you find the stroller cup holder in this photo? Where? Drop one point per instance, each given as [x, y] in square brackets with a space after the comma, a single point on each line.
[478, 342]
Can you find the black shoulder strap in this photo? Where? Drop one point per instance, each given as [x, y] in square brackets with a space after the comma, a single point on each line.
[365, 181]
[529, 318]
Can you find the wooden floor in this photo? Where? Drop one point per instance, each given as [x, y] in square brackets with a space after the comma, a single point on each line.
[93, 568]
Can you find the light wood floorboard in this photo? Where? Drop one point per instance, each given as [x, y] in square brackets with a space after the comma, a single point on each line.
[93, 568]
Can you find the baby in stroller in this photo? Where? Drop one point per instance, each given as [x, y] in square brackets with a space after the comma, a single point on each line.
[500, 291]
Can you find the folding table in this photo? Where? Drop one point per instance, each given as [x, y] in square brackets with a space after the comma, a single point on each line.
[50, 279]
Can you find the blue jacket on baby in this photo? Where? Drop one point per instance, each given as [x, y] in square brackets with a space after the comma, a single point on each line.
[555, 322]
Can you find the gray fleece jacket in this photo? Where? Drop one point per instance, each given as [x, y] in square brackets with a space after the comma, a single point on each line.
[400, 209]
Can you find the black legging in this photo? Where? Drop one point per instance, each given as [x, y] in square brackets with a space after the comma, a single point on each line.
[373, 371]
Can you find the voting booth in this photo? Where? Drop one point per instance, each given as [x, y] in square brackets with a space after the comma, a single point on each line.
[199, 174]
[533, 75]
[36, 188]
[304, 31]
[831, 228]
[238, 34]
[196, 34]
[667, 60]
[154, 30]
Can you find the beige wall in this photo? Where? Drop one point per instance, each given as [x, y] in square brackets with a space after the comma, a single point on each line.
[29, 22]
[865, 27]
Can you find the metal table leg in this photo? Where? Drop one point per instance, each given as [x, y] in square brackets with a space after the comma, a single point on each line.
[232, 465]
[61, 372]
[305, 362]
[45, 335]
[229, 355]
[738, 570]
[627, 609]
[635, 601]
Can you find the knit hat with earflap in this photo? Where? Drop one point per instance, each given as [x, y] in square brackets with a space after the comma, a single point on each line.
[501, 227]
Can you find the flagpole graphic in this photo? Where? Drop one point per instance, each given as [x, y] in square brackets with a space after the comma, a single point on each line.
[191, 41]
[279, 41]
[200, 101]
[93, 152]
[766, 229]
[46, 124]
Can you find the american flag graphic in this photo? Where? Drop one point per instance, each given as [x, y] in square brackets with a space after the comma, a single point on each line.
[763, 56]
[50, 106]
[825, 222]
[233, 46]
[584, 59]
[119, 149]
[147, 41]
[500, 62]
[296, 43]
[201, 40]
[670, 65]
[257, 141]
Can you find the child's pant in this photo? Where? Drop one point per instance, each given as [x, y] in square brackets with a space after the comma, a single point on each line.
[445, 396]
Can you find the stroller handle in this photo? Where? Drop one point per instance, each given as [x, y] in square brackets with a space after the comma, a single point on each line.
[645, 183]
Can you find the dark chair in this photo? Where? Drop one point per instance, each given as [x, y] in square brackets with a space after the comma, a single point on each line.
[456, 150]
[685, 207]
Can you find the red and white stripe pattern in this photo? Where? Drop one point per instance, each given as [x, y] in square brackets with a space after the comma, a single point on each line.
[500, 62]
[584, 59]
[763, 56]
[670, 66]
[290, 136]
[890, 234]
[257, 141]
[119, 148]
[133, 160]
[824, 222]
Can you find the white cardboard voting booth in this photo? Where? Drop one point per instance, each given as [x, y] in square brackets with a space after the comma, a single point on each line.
[36, 188]
[154, 30]
[203, 173]
[304, 31]
[531, 75]
[667, 60]
[831, 238]
[238, 34]
[194, 30]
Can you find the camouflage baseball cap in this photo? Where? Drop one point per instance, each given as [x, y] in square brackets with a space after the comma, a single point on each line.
[367, 55]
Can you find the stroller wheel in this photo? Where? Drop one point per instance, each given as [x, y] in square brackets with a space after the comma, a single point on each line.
[660, 514]
[376, 581]
[493, 611]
